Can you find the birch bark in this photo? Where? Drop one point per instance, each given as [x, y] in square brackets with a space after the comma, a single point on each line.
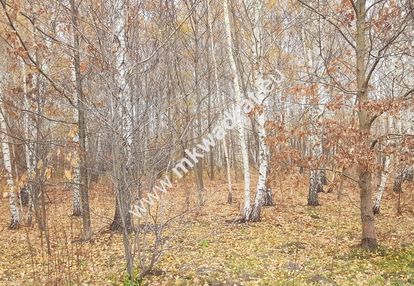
[383, 181]
[14, 210]
[122, 118]
[262, 88]
[221, 97]
[240, 118]
[315, 180]
[30, 145]
[83, 174]
[76, 202]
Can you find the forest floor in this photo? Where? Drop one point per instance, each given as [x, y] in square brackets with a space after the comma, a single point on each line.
[293, 245]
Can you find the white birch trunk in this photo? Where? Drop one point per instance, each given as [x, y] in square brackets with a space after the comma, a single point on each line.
[315, 179]
[126, 106]
[263, 167]
[123, 158]
[30, 145]
[218, 93]
[401, 177]
[240, 117]
[315, 139]
[262, 93]
[14, 210]
[76, 198]
[228, 171]
[404, 171]
[383, 182]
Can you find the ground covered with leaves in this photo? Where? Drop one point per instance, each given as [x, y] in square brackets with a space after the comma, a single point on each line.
[293, 245]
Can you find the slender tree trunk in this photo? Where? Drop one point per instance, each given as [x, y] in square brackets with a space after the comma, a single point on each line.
[314, 188]
[83, 186]
[398, 181]
[401, 177]
[261, 188]
[262, 92]
[209, 121]
[369, 237]
[39, 151]
[240, 117]
[199, 164]
[324, 179]
[30, 147]
[117, 224]
[268, 196]
[315, 178]
[228, 172]
[315, 139]
[76, 198]
[122, 118]
[122, 121]
[199, 182]
[383, 182]
[219, 94]
[14, 210]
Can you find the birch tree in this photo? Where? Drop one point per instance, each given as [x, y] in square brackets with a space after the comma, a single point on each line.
[382, 184]
[122, 120]
[30, 136]
[13, 204]
[121, 108]
[262, 90]
[238, 110]
[315, 182]
[221, 98]
[83, 173]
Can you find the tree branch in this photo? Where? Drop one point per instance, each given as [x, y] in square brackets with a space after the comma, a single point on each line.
[330, 22]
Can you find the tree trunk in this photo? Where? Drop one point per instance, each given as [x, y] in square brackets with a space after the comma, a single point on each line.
[122, 119]
[199, 182]
[199, 164]
[324, 179]
[369, 238]
[401, 177]
[315, 178]
[315, 186]
[220, 96]
[240, 117]
[76, 198]
[268, 196]
[14, 210]
[83, 182]
[263, 88]
[383, 182]
[30, 145]
[261, 189]
[228, 172]
[315, 138]
[117, 224]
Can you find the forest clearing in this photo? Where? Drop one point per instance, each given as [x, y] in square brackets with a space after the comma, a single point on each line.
[207, 142]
